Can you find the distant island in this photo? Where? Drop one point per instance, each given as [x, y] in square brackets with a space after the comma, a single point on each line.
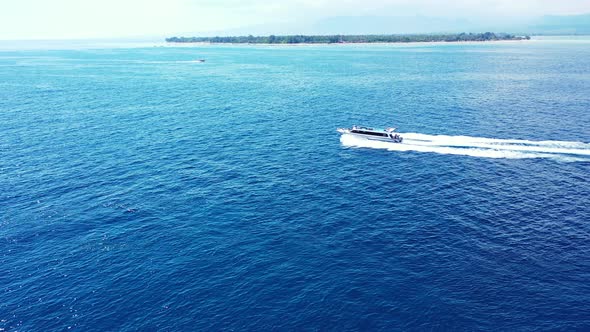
[342, 39]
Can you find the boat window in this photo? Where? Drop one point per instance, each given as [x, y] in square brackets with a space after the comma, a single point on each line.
[369, 133]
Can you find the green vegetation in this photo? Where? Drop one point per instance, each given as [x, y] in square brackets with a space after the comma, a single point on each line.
[333, 39]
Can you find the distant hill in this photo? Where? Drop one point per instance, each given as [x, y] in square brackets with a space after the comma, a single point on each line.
[569, 24]
[563, 25]
[381, 25]
[391, 24]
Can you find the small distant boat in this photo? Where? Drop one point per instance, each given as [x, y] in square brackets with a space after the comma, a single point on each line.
[384, 135]
[200, 60]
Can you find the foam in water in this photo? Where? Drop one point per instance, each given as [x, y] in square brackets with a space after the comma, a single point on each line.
[479, 146]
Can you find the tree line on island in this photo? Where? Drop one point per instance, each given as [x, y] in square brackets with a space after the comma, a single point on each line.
[334, 39]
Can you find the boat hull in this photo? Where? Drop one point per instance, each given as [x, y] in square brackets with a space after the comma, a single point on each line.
[345, 131]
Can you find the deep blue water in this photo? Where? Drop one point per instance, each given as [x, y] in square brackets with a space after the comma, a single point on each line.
[142, 191]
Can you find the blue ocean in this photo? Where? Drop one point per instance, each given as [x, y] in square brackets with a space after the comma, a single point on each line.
[142, 190]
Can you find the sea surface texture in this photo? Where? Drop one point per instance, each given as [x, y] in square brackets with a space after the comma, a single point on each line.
[143, 190]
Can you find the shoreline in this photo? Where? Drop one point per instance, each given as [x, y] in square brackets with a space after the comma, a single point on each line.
[469, 42]
[28, 45]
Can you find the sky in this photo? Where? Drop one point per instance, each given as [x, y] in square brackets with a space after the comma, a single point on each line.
[81, 19]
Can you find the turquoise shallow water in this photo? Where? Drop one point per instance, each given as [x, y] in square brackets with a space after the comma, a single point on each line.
[140, 190]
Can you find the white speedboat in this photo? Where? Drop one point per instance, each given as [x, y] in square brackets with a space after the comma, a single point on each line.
[384, 135]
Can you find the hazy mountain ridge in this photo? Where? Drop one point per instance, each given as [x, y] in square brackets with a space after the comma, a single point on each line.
[574, 24]
[351, 25]
[390, 24]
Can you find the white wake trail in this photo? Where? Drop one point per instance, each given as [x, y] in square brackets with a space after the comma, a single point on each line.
[479, 146]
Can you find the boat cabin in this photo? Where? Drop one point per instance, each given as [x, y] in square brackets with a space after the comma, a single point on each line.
[386, 133]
